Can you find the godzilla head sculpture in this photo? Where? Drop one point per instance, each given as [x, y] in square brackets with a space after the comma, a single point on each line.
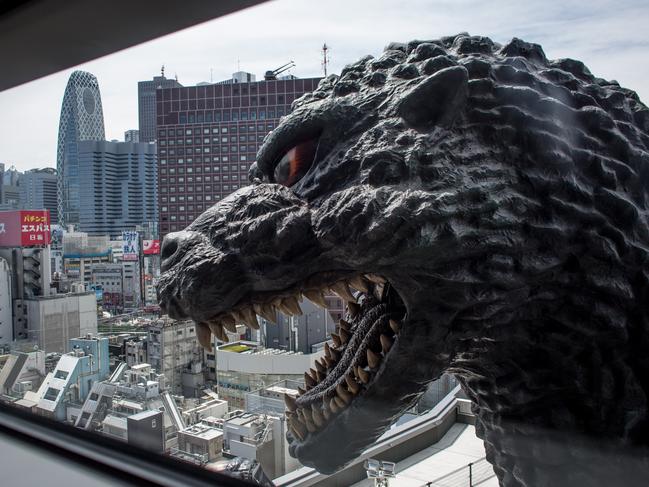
[484, 210]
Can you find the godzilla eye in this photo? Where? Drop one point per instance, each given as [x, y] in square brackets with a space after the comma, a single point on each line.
[295, 163]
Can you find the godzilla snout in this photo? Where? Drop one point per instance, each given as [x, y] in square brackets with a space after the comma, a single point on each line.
[169, 250]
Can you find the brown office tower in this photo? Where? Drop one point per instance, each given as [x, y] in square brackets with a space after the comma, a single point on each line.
[208, 135]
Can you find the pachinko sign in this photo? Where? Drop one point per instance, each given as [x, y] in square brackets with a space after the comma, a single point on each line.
[24, 228]
[130, 245]
[150, 247]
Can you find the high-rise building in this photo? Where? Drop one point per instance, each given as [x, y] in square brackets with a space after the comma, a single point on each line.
[132, 136]
[209, 135]
[38, 191]
[82, 118]
[10, 180]
[119, 188]
[146, 97]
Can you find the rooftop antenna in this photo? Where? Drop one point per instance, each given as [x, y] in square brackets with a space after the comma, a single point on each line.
[176, 76]
[325, 59]
[238, 64]
[162, 70]
[211, 75]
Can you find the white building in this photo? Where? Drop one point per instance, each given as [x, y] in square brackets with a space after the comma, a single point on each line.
[243, 367]
[53, 320]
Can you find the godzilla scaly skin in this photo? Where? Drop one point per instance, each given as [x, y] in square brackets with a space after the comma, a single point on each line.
[491, 208]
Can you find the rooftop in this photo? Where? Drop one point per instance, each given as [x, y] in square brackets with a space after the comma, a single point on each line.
[203, 431]
[445, 463]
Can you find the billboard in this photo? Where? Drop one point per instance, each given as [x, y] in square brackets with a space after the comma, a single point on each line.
[24, 228]
[150, 247]
[130, 245]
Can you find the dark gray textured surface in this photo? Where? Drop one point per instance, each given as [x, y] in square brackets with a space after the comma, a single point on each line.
[504, 198]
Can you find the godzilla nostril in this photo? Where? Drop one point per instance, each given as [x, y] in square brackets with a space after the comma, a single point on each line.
[169, 247]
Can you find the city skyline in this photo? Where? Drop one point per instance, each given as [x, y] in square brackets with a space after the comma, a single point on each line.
[607, 37]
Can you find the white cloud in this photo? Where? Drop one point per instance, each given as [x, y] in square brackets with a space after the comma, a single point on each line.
[606, 35]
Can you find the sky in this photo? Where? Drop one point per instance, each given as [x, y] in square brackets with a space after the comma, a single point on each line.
[610, 37]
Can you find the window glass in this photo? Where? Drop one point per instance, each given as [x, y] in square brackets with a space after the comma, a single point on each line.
[442, 239]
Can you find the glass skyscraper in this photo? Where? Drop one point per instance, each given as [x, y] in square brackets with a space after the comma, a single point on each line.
[82, 118]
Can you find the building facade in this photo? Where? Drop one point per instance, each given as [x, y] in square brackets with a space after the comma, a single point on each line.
[209, 135]
[10, 180]
[146, 98]
[82, 118]
[119, 190]
[173, 350]
[38, 191]
[132, 136]
[53, 320]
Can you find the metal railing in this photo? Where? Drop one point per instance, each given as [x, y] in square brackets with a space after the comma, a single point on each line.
[471, 475]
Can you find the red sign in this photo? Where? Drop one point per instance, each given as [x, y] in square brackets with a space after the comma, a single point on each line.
[24, 228]
[151, 247]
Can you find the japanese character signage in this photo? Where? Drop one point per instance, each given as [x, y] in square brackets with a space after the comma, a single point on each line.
[24, 228]
[130, 245]
[150, 247]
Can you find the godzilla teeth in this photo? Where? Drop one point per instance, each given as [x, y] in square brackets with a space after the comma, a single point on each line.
[354, 309]
[362, 375]
[218, 332]
[386, 343]
[298, 428]
[395, 326]
[309, 381]
[290, 306]
[316, 297]
[352, 385]
[359, 283]
[204, 335]
[375, 278]
[325, 393]
[267, 312]
[229, 323]
[343, 394]
[344, 335]
[318, 418]
[342, 290]
[373, 360]
[290, 402]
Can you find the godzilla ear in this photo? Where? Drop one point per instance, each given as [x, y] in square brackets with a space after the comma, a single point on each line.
[436, 100]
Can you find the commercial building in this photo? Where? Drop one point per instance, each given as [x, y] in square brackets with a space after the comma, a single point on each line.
[38, 191]
[173, 350]
[146, 98]
[10, 180]
[82, 118]
[53, 320]
[209, 135]
[82, 251]
[241, 367]
[132, 136]
[119, 190]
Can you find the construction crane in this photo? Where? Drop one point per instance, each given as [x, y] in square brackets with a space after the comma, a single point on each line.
[271, 75]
